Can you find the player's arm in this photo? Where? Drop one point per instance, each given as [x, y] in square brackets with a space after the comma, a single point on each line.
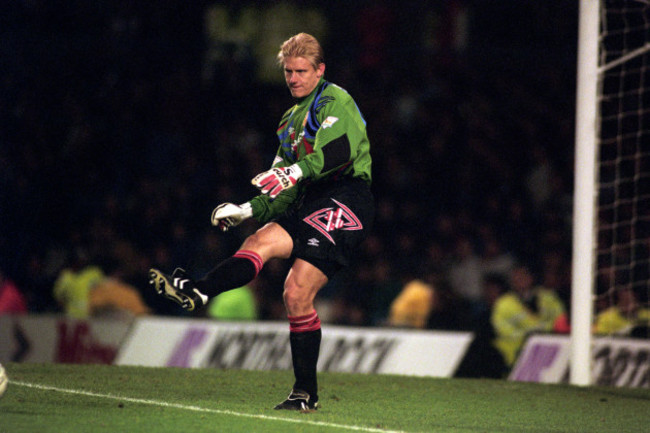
[332, 150]
[263, 207]
[283, 174]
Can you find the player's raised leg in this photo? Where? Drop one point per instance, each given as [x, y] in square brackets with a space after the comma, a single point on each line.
[178, 287]
[241, 268]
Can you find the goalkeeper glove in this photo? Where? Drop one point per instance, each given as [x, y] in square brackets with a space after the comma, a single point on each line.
[228, 215]
[276, 180]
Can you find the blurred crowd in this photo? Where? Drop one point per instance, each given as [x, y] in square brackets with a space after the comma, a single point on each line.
[118, 137]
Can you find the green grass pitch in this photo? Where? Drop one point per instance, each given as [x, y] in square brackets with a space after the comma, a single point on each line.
[91, 398]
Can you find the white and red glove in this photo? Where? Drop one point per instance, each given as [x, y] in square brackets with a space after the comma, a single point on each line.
[228, 215]
[276, 180]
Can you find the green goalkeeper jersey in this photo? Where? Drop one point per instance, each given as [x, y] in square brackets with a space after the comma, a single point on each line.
[325, 134]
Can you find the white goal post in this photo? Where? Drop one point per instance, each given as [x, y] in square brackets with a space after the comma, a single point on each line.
[585, 194]
[612, 136]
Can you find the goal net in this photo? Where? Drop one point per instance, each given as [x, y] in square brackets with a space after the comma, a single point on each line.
[611, 215]
[622, 265]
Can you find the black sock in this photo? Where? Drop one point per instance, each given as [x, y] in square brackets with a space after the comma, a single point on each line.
[234, 272]
[305, 337]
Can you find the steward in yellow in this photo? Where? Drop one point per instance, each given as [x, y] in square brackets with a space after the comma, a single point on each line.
[526, 308]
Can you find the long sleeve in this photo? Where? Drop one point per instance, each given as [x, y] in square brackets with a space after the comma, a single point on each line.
[325, 134]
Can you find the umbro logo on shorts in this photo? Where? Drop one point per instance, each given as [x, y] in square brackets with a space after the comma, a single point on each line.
[339, 217]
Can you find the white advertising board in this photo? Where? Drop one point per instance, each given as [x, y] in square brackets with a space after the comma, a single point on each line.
[265, 346]
[623, 362]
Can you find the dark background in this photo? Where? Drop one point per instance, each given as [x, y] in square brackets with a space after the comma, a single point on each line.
[123, 124]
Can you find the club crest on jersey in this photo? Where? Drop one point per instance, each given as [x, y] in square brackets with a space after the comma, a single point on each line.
[329, 219]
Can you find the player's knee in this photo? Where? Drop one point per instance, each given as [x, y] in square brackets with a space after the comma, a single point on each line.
[296, 297]
[254, 241]
[269, 242]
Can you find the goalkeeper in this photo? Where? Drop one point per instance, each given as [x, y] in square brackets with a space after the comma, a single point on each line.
[315, 203]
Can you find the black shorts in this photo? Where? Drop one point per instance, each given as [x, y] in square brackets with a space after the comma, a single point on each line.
[329, 222]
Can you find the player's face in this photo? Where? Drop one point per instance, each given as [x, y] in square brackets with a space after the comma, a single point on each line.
[301, 76]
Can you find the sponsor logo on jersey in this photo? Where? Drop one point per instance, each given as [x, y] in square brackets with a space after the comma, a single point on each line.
[331, 120]
[329, 219]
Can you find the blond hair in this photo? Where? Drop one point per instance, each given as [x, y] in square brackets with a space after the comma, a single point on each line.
[302, 45]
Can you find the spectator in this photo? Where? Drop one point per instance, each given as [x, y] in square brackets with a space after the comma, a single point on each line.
[494, 259]
[72, 287]
[112, 296]
[412, 306]
[626, 317]
[526, 308]
[465, 272]
[12, 300]
[84, 290]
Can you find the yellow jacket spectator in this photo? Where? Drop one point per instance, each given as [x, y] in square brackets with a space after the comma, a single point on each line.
[412, 306]
[72, 290]
[525, 309]
[623, 317]
[89, 292]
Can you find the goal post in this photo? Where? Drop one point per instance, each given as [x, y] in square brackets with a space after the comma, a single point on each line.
[585, 193]
[611, 213]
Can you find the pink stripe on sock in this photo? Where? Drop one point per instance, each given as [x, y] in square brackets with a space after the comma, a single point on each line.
[253, 257]
[306, 323]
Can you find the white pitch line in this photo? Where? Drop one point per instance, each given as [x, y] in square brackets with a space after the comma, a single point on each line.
[203, 409]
